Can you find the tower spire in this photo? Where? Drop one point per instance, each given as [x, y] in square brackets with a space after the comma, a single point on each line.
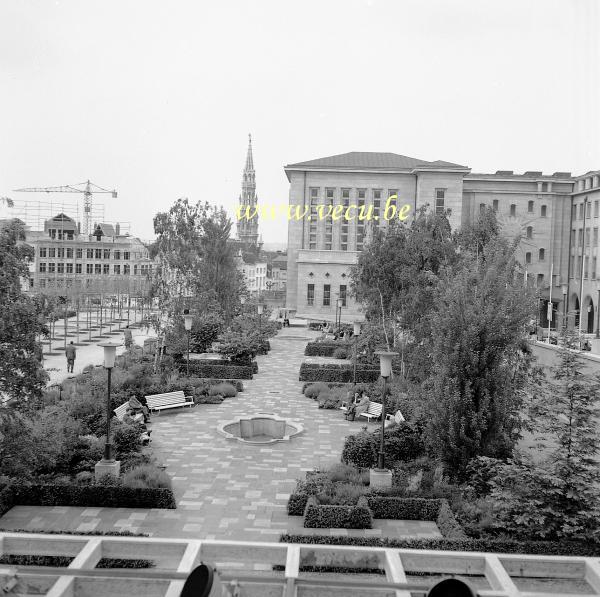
[247, 224]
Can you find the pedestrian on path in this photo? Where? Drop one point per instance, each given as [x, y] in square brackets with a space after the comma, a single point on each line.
[71, 352]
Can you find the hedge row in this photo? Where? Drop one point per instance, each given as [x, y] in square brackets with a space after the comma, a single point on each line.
[221, 362]
[500, 546]
[336, 373]
[100, 496]
[231, 371]
[324, 349]
[317, 516]
[297, 504]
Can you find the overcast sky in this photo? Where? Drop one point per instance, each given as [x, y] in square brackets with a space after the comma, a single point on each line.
[156, 99]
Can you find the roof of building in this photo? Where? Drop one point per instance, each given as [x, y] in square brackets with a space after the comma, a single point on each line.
[372, 160]
[530, 174]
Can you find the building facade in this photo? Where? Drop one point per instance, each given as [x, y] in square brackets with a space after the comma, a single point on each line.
[103, 262]
[557, 248]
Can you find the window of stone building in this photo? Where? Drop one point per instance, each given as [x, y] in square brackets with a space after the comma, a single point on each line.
[346, 195]
[585, 267]
[117, 269]
[43, 251]
[126, 255]
[106, 254]
[51, 268]
[574, 213]
[314, 194]
[69, 253]
[60, 268]
[513, 209]
[572, 265]
[530, 207]
[578, 271]
[542, 254]
[343, 294]
[594, 265]
[544, 187]
[106, 269]
[596, 209]
[310, 294]
[89, 268]
[42, 268]
[581, 211]
[78, 268]
[588, 211]
[540, 279]
[362, 193]
[529, 231]
[60, 252]
[51, 252]
[481, 208]
[595, 241]
[495, 204]
[587, 237]
[580, 237]
[97, 268]
[440, 200]
[326, 295]
[544, 211]
[69, 268]
[527, 257]
[89, 253]
[97, 253]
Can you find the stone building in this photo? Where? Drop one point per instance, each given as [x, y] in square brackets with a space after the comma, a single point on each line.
[544, 210]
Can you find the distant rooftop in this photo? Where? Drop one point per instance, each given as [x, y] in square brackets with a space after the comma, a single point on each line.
[536, 174]
[373, 161]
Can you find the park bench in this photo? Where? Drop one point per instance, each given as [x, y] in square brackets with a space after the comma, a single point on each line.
[158, 402]
[373, 411]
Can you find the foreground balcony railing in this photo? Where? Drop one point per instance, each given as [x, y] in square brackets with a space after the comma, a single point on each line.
[280, 569]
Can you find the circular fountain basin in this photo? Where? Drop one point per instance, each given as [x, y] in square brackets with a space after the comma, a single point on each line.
[261, 428]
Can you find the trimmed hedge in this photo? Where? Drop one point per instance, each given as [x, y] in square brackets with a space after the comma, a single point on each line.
[7, 500]
[339, 517]
[297, 504]
[343, 373]
[222, 371]
[223, 362]
[501, 546]
[324, 349]
[437, 510]
[100, 496]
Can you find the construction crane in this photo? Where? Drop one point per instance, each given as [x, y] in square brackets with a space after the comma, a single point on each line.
[88, 190]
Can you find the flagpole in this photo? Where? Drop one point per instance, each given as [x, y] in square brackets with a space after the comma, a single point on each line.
[550, 302]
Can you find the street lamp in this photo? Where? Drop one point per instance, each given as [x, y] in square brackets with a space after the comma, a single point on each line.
[356, 334]
[260, 308]
[385, 365]
[187, 322]
[108, 465]
[565, 289]
[598, 310]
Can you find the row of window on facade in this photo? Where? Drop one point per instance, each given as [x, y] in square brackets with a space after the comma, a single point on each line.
[575, 267]
[578, 210]
[92, 268]
[578, 235]
[61, 252]
[513, 208]
[63, 282]
[342, 295]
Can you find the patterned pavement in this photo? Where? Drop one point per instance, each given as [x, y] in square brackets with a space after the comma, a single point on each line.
[226, 489]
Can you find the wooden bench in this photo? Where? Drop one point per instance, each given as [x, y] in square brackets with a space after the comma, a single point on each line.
[373, 411]
[158, 402]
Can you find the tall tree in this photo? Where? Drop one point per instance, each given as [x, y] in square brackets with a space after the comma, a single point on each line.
[481, 360]
[22, 376]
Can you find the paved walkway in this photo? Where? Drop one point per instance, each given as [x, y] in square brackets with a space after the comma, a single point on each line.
[225, 489]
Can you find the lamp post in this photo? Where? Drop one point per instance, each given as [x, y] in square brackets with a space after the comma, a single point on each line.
[356, 334]
[108, 465]
[598, 311]
[565, 289]
[385, 365]
[187, 322]
[260, 308]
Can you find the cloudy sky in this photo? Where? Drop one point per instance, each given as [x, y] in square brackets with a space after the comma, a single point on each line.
[156, 98]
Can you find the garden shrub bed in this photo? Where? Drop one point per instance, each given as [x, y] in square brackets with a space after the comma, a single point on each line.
[224, 362]
[317, 516]
[222, 371]
[324, 349]
[499, 546]
[98, 496]
[342, 373]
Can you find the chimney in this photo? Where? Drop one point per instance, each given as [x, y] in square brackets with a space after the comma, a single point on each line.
[117, 228]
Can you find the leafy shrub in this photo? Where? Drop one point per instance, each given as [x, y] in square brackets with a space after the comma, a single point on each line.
[84, 478]
[146, 476]
[329, 401]
[336, 373]
[402, 442]
[555, 548]
[226, 390]
[340, 353]
[313, 390]
[346, 517]
[480, 471]
[341, 472]
[126, 438]
[204, 399]
[6, 499]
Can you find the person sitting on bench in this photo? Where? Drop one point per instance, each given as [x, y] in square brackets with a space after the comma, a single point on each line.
[138, 408]
[358, 407]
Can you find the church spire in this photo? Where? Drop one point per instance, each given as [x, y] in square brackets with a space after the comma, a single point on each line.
[247, 224]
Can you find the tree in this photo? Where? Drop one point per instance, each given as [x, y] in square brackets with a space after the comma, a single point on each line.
[482, 361]
[477, 235]
[22, 376]
[558, 496]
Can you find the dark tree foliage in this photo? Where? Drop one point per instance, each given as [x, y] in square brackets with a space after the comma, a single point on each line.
[22, 377]
[481, 360]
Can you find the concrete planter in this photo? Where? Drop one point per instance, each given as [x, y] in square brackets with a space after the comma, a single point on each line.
[380, 478]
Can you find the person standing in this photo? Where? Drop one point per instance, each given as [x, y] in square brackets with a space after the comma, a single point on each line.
[70, 352]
